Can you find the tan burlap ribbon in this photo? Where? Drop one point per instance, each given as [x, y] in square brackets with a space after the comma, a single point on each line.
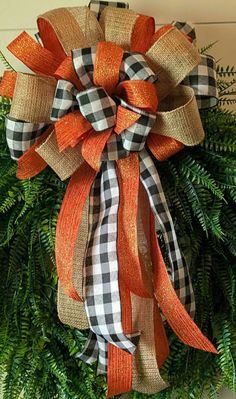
[33, 97]
[172, 57]
[146, 376]
[63, 163]
[118, 24]
[73, 27]
[177, 117]
[70, 311]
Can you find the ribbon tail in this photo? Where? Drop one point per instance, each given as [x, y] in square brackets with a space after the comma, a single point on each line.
[178, 269]
[120, 363]
[30, 164]
[131, 269]
[177, 316]
[89, 353]
[102, 355]
[68, 225]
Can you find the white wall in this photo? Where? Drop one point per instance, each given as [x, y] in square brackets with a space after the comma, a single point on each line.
[216, 21]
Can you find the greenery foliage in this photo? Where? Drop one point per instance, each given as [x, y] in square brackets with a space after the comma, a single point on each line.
[37, 351]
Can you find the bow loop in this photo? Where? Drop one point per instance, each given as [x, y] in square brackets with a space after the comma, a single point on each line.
[64, 100]
[135, 67]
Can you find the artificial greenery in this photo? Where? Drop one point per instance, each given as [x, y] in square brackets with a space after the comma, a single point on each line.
[37, 351]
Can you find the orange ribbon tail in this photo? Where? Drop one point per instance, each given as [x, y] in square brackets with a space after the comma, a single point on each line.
[30, 163]
[176, 315]
[119, 373]
[68, 225]
[130, 267]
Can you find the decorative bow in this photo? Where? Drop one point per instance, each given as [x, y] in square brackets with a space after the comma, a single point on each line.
[103, 101]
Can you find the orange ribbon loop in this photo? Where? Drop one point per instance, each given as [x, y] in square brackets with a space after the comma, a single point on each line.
[140, 94]
[107, 65]
[66, 71]
[125, 118]
[70, 130]
[35, 57]
[93, 146]
[143, 32]
[163, 147]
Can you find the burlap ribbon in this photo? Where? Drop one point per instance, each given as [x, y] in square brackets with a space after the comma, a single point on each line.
[104, 98]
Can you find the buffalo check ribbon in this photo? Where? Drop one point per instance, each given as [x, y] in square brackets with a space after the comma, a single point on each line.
[103, 103]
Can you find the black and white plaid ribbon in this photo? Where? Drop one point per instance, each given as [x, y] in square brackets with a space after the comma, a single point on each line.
[178, 270]
[102, 296]
[203, 77]
[21, 135]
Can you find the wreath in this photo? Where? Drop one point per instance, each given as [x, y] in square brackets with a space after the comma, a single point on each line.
[113, 106]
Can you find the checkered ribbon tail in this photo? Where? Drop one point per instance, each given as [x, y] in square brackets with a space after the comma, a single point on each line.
[102, 297]
[203, 77]
[98, 6]
[178, 270]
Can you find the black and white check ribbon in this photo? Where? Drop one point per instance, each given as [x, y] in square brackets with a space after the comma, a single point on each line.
[102, 295]
[21, 135]
[178, 270]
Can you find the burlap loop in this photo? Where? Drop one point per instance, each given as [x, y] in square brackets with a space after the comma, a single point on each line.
[70, 28]
[172, 57]
[89, 25]
[118, 25]
[33, 98]
[63, 163]
[178, 117]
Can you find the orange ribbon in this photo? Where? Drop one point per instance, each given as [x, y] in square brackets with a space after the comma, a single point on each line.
[175, 313]
[130, 269]
[143, 32]
[31, 164]
[38, 59]
[68, 225]
[7, 84]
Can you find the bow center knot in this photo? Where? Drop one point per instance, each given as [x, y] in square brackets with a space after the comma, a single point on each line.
[97, 107]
